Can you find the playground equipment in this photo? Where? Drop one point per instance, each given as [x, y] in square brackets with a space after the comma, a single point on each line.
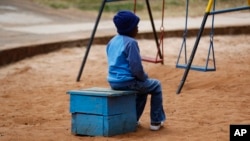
[210, 49]
[206, 14]
[159, 56]
[159, 43]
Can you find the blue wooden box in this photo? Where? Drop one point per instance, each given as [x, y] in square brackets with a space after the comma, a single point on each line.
[102, 111]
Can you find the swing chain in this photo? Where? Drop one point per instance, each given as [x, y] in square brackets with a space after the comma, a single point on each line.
[162, 16]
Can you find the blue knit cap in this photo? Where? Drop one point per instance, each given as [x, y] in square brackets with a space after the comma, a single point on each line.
[125, 21]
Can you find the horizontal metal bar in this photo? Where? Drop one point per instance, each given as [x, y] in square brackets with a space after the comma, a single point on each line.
[113, 0]
[229, 10]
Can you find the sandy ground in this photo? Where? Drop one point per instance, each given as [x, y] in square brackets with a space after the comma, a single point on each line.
[35, 106]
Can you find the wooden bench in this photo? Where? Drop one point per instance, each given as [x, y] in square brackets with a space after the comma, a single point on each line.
[102, 111]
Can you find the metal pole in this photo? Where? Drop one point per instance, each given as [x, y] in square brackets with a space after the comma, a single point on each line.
[193, 53]
[230, 10]
[211, 47]
[90, 41]
[153, 26]
[195, 46]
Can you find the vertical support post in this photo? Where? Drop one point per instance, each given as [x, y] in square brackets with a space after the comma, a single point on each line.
[186, 31]
[154, 31]
[211, 46]
[90, 41]
[184, 45]
[195, 46]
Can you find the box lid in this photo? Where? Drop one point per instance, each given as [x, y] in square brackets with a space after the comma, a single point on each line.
[97, 91]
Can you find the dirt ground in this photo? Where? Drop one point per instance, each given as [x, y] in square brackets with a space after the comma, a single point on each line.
[35, 106]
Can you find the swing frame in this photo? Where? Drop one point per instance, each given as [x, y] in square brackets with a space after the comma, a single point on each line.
[210, 49]
[206, 14]
[159, 53]
[159, 58]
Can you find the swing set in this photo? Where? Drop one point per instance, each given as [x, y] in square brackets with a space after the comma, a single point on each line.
[208, 12]
[159, 58]
[210, 55]
[159, 43]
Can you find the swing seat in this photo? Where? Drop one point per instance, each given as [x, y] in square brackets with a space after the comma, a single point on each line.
[151, 60]
[197, 68]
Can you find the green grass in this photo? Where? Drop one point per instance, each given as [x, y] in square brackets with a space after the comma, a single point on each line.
[172, 7]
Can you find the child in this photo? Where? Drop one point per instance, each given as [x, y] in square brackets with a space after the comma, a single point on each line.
[125, 70]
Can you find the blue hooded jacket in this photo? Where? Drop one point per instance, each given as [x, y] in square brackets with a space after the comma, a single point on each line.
[124, 61]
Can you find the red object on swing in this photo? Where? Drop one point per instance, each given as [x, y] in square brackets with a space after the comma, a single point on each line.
[159, 56]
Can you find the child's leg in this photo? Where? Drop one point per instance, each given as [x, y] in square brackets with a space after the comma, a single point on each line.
[157, 113]
[150, 86]
[141, 100]
[153, 87]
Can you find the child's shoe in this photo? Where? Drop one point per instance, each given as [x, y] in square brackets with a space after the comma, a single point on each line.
[156, 126]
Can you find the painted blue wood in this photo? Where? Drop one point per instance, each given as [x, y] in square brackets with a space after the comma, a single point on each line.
[102, 111]
[100, 105]
[86, 124]
[97, 125]
[96, 91]
[119, 124]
